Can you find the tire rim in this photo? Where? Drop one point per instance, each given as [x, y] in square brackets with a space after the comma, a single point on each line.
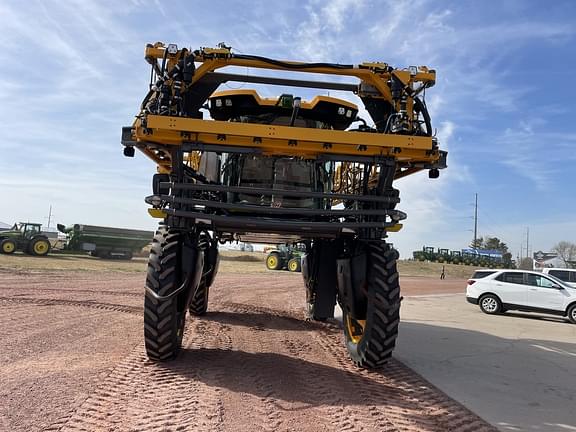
[293, 266]
[573, 314]
[489, 304]
[272, 262]
[40, 247]
[8, 247]
[355, 329]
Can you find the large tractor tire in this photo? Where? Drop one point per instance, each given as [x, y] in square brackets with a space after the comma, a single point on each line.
[273, 261]
[7, 246]
[294, 265]
[39, 247]
[319, 274]
[199, 303]
[371, 335]
[172, 275]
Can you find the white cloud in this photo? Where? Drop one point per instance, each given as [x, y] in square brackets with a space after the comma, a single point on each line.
[335, 12]
[77, 75]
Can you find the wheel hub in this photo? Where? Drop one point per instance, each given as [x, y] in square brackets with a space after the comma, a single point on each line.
[489, 304]
[40, 247]
[355, 329]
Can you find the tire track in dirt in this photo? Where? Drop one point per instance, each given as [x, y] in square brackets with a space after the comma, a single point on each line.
[329, 406]
[265, 413]
[95, 291]
[403, 398]
[250, 367]
[134, 310]
[142, 395]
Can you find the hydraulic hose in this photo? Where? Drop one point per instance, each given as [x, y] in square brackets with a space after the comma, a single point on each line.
[420, 106]
[293, 65]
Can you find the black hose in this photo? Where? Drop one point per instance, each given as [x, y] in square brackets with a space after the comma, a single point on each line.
[146, 99]
[293, 65]
[421, 107]
[163, 62]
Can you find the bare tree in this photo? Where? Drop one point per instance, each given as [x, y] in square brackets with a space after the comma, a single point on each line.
[566, 251]
[526, 264]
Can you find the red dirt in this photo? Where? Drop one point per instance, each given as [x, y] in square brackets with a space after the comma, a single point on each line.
[72, 359]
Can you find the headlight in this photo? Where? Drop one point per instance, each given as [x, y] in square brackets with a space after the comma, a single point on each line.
[172, 48]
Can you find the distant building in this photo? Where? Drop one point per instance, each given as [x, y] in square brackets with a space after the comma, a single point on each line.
[4, 226]
[547, 260]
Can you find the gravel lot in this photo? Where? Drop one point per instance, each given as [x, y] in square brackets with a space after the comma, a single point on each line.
[73, 359]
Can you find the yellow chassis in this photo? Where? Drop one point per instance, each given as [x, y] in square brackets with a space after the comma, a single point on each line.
[151, 133]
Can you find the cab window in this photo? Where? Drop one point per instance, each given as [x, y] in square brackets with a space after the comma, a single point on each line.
[539, 281]
[515, 278]
[479, 274]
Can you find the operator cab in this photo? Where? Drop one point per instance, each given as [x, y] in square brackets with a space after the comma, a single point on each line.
[30, 229]
[246, 106]
[27, 227]
[276, 172]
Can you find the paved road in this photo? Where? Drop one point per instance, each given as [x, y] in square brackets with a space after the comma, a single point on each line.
[517, 371]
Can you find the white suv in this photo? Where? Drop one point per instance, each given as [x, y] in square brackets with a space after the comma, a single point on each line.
[568, 276]
[497, 291]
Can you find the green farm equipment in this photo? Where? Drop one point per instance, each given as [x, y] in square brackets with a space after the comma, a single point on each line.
[286, 257]
[27, 237]
[443, 256]
[456, 257]
[426, 254]
[105, 242]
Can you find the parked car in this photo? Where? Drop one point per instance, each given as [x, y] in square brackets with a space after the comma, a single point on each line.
[497, 291]
[568, 276]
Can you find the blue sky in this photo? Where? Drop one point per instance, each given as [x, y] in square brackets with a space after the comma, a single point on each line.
[73, 74]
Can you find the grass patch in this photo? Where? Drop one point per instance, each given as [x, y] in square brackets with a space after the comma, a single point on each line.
[433, 270]
[244, 257]
[19, 262]
[230, 262]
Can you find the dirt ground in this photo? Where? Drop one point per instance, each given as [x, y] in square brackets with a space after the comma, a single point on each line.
[72, 359]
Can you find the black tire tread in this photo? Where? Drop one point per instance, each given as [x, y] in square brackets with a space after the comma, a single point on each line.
[383, 311]
[199, 303]
[163, 324]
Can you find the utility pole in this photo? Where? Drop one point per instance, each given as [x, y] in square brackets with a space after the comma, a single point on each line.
[527, 239]
[49, 217]
[476, 222]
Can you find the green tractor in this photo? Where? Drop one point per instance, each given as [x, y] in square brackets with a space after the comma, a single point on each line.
[443, 256]
[27, 237]
[286, 257]
[456, 257]
[426, 254]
